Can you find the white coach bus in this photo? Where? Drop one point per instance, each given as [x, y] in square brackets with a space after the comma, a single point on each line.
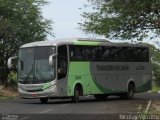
[77, 67]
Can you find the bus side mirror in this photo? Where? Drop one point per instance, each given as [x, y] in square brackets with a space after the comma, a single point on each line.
[12, 61]
[52, 59]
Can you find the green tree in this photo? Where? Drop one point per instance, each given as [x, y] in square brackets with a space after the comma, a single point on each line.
[21, 22]
[123, 19]
[155, 57]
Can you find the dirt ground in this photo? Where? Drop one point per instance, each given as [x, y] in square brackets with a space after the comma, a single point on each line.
[7, 92]
[155, 107]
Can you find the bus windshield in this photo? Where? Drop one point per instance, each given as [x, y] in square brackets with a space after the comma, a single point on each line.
[33, 65]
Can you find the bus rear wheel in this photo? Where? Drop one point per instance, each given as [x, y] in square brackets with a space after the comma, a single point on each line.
[44, 100]
[130, 93]
[75, 98]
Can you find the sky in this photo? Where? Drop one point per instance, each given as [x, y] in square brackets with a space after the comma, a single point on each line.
[66, 14]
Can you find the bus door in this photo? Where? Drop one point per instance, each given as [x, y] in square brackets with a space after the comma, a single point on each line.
[62, 65]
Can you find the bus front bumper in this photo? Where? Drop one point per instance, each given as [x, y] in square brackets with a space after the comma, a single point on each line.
[31, 95]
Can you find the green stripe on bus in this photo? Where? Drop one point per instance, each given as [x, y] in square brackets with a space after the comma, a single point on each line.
[86, 43]
[145, 87]
[79, 72]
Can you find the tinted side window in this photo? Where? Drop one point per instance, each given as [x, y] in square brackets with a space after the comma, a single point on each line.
[115, 54]
[140, 54]
[84, 53]
[109, 53]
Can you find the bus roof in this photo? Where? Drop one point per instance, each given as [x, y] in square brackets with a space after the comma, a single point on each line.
[79, 41]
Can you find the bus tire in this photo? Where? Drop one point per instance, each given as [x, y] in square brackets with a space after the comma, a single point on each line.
[75, 98]
[44, 100]
[130, 93]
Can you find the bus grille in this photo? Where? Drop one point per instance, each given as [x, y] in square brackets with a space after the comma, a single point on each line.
[39, 90]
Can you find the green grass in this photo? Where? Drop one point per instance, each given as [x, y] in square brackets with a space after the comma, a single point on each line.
[7, 93]
[155, 89]
[5, 97]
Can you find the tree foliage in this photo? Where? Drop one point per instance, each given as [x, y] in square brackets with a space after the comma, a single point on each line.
[156, 73]
[20, 22]
[155, 58]
[155, 62]
[123, 19]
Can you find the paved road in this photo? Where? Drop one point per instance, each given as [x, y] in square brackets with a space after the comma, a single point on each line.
[88, 107]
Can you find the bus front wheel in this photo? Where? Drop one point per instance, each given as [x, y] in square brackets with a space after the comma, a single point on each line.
[44, 100]
[75, 98]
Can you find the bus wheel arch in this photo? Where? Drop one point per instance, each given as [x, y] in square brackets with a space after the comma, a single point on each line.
[78, 91]
[130, 91]
[131, 83]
